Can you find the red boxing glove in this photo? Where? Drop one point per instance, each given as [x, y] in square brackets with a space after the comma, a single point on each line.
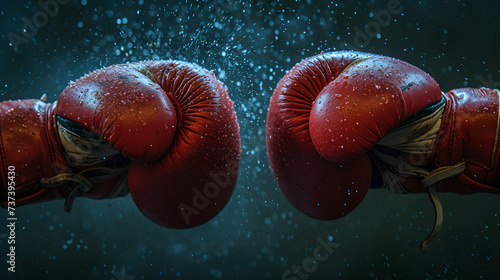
[140, 127]
[376, 122]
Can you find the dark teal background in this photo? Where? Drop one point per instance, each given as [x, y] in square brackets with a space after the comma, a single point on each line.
[258, 235]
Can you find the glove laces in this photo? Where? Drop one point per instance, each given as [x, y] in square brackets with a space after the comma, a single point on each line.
[417, 135]
[73, 184]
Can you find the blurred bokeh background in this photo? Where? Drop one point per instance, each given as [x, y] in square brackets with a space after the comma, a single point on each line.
[250, 45]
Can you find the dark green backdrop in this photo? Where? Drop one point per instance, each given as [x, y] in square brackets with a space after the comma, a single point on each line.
[250, 46]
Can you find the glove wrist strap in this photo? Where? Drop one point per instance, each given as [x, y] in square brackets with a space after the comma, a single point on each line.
[73, 184]
[417, 136]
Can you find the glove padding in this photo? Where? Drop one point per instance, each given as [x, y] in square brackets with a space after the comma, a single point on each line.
[176, 123]
[165, 130]
[327, 113]
[367, 101]
[319, 188]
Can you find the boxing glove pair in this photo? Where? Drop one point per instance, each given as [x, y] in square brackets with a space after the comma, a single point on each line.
[338, 124]
[341, 123]
[165, 131]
